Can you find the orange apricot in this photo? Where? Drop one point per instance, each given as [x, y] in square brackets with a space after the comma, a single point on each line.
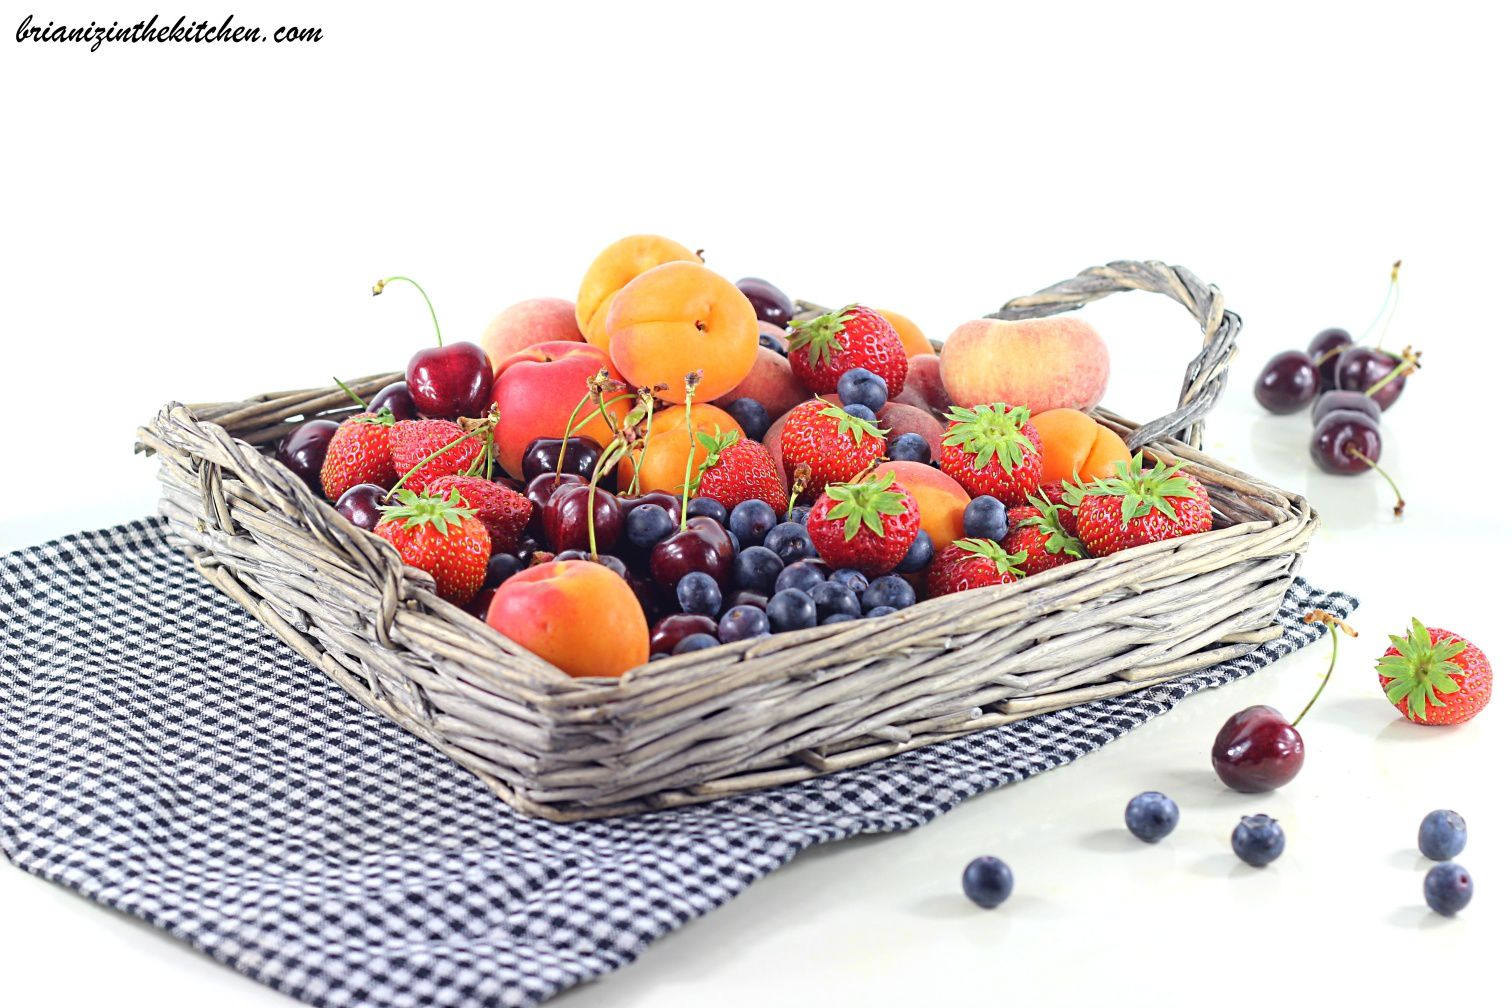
[614, 267]
[914, 340]
[666, 453]
[578, 615]
[942, 501]
[679, 318]
[1077, 447]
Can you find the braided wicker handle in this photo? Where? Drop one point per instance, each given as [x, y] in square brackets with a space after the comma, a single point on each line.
[1208, 372]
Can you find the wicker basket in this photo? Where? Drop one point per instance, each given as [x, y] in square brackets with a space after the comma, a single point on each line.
[756, 713]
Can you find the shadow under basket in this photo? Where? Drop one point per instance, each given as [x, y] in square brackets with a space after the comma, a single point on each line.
[756, 713]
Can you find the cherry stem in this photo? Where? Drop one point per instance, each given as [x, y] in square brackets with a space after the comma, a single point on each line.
[607, 402]
[571, 420]
[353, 395]
[1407, 365]
[378, 289]
[1388, 306]
[1334, 626]
[488, 425]
[1401, 505]
[689, 384]
[648, 403]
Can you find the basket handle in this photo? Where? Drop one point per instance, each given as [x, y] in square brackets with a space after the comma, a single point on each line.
[1208, 372]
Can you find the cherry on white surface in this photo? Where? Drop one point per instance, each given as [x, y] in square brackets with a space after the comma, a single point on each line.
[205, 223]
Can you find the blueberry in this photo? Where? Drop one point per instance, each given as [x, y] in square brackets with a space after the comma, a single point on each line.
[699, 593]
[1258, 840]
[757, 569]
[908, 448]
[501, 567]
[881, 610]
[851, 578]
[861, 412]
[751, 520]
[920, 553]
[889, 590]
[861, 387]
[695, 642]
[1152, 816]
[802, 575]
[709, 508]
[648, 524]
[751, 415]
[1447, 888]
[798, 514]
[986, 518]
[834, 599]
[987, 882]
[771, 342]
[743, 622]
[790, 541]
[1441, 836]
[790, 609]
[839, 617]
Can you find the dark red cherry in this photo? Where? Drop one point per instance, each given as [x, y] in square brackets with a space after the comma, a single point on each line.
[566, 515]
[703, 546]
[1340, 439]
[303, 450]
[1361, 368]
[1324, 349]
[669, 631]
[1257, 750]
[770, 303]
[396, 396]
[450, 381]
[670, 502]
[360, 505]
[1288, 382]
[581, 456]
[540, 489]
[1338, 399]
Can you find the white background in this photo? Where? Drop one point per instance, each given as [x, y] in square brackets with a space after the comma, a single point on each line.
[202, 223]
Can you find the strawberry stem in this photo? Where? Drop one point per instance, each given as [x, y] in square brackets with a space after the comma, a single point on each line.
[689, 384]
[378, 289]
[1334, 626]
[1401, 505]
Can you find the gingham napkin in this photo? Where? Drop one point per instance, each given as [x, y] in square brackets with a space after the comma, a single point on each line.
[164, 755]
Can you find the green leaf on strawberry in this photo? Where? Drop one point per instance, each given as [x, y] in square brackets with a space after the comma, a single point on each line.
[856, 427]
[819, 334]
[1422, 671]
[988, 432]
[417, 509]
[1143, 490]
[1004, 562]
[1048, 523]
[864, 503]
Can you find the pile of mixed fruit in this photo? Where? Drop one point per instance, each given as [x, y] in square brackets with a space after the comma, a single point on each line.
[678, 458]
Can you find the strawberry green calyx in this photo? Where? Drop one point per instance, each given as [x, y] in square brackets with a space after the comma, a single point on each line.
[713, 444]
[1057, 539]
[856, 427]
[1143, 490]
[417, 509]
[1422, 671]
[864, 503]
[820, 334]
[1005, 563]
[988, 432]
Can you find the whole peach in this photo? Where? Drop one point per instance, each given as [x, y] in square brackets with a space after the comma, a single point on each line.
[538, 320]
[537, 389]
[578, 615]
[1039, 363]
[614, 267]
[923, 387]
[942, 501]
[770, 382]
[679, 318]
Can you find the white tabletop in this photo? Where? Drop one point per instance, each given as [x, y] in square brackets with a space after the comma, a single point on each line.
[1289, 164]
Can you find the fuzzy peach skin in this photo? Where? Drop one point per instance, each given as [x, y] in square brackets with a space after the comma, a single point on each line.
[923, 388]
[614, 267]
[914, 340]
[942, 501]
[579, 616]
[538, 320]
[770, 382]
[677, 319]
[1043, 364]
[536, 390]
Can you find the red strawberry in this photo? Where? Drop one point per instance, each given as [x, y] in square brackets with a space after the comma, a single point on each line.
[438, 447]
[1035, 530]
[835, 446]
[1139, 506]
[1434, 676]
[865, 525]
[992, 450]
[824, 348]
[738, 469]
[971, 563]
[441, 537]
[502, 511]
[1055, 493]
[359, 453]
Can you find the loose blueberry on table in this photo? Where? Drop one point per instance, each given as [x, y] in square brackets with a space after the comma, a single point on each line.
[1442, 835]
[1151, 816]
[987, 882]
[1447, 888]
[1258, 840]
